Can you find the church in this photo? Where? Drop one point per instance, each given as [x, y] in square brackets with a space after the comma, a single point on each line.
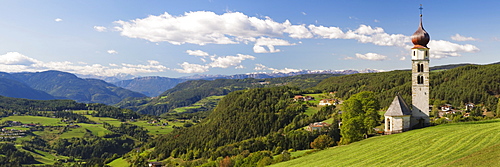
[400, 117]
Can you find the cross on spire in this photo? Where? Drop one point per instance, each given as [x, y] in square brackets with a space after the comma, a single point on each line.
[421, 10]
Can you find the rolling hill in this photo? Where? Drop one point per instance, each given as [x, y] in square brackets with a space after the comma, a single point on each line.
[462, 144]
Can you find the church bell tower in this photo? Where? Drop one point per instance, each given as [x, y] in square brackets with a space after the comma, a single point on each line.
[420, 77]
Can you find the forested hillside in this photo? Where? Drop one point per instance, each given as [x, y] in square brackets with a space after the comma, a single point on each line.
[478, 84]
[62, 85]
[263, 119]
[190, 92]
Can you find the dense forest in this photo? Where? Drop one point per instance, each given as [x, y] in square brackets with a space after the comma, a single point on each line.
[276, 125]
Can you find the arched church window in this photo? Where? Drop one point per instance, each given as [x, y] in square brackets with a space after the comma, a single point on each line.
[420, 80]
[420, 67]
[426, 54]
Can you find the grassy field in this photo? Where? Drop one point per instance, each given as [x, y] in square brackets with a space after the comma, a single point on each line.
[199, 104]
[462, 144]
[119, 163]
[33, 119]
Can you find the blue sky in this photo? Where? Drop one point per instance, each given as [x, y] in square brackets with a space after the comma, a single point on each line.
[179, 38]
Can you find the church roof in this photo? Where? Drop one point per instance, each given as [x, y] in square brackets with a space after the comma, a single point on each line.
[398, 107]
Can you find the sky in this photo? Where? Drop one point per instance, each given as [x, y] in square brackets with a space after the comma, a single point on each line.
[175, 38]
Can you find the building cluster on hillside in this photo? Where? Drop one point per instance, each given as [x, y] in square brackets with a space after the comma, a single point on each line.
[317, 126]
[303, 98]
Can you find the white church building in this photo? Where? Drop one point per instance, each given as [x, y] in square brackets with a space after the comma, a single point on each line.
[399, 117]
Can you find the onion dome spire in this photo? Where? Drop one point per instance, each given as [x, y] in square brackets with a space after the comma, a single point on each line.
[420, 38]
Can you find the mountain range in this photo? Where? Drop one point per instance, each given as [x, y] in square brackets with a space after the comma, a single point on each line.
[111, 90]
[61, 85]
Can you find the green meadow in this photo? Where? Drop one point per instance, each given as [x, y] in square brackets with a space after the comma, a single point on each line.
[461, 144]
[46, 121]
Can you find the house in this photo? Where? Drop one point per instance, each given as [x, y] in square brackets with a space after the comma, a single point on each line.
[317, 126]
[302, 98]
[446, 107]
[469, 106]
[326, 102]
[154, 164]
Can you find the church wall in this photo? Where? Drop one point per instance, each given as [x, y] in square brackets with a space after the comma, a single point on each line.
[397, 124]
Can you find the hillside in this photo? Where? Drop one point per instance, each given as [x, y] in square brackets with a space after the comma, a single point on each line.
[150, 86]
[12, 88]
[463, 144]
[478, 84]
[190, 92]
[64, 85]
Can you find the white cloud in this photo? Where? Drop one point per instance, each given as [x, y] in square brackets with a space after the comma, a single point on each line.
[58, 20]
[402, 58]
[197, 53]
[100, 28]
[261, 67]
[215, 62]
[376, 21]
[304, 13]
[297, 31]
[458, 37]
[200, 27]
[15, 58]
[192, 68]
[112, 51]
[16, 62]
[441, 49]
[269, 43]
[229, 61]
[371, 56]
[205, 27]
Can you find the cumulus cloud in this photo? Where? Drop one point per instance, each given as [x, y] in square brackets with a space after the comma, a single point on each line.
[15, 58]
[261, 67]
[200, 27]
[16, 62]
[458, 37]
[371, 56]
[269, 43]
[441, 49]
[197, 53]
[229, 61]
[192, 68]
[215, 62]
[112, 51]
[205, 27]
[58, 20]
[100, 28]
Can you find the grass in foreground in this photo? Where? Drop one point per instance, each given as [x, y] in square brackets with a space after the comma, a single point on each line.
[462, 144]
